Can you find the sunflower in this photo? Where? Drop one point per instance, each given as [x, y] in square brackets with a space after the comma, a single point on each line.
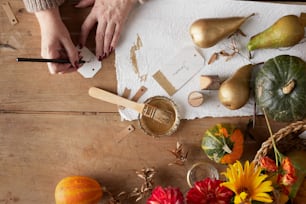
[248, 184]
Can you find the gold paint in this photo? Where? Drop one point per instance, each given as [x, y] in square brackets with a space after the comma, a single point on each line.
[164, 82]
[153, 128]
[133, 50]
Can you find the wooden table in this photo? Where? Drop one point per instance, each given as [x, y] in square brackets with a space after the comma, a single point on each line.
[50, 128]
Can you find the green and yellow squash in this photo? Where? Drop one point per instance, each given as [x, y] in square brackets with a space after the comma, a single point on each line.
[223, 143]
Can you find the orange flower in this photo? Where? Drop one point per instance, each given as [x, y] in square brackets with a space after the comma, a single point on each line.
[288, 166]
[268, 164]
[288, 179]
[289, 176]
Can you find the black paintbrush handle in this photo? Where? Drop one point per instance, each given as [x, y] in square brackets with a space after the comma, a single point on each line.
[62, 61]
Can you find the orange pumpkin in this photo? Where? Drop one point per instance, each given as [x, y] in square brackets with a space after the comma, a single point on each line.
[78, 190]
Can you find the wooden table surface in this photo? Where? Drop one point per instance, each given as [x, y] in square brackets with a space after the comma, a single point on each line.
[50, 128]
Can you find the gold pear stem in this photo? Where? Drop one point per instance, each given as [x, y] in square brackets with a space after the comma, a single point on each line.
[253, 14]
[303, 19]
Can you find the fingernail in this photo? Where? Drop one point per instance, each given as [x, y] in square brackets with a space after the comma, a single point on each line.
[81, 58]
[74, 3]
[104, 55]
[76, 64]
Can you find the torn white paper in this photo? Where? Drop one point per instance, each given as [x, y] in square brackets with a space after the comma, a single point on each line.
[163, 27]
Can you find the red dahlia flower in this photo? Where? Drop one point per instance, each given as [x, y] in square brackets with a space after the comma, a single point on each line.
[209, 191]
[168, 195]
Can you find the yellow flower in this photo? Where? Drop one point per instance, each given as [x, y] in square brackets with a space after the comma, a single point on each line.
[248, 184]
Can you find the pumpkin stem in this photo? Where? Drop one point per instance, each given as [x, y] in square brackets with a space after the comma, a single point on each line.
[288, 88]
[303, 19]
[226, 149]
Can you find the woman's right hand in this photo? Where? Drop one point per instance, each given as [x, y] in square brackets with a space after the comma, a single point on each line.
[56, 42]
[110, 17]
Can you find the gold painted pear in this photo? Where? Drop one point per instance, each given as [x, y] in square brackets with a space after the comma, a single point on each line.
[207, 32]
[235, 91]
[285, 32]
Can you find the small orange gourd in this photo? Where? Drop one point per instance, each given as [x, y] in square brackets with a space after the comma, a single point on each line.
[78, 190]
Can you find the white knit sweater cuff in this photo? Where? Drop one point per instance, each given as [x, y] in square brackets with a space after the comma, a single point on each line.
[38, 5]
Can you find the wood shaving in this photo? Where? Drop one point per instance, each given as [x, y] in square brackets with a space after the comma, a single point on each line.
[137, 45]
[213, 58]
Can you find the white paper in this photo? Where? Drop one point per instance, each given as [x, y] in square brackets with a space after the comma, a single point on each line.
[163, 26]
[92, 65]
[182, 67]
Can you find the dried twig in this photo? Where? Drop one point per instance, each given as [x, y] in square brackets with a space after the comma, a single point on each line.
[115, 199]
[147, 175]
[118, 199]
[234, 51]
[180, 155]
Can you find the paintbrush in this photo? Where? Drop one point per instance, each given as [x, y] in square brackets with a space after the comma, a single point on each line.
[159, 115]
[61, 61]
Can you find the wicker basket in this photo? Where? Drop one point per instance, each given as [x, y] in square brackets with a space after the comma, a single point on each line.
[286, 139]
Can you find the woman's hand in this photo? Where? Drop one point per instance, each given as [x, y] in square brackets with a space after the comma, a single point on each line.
[56, 42]
[110, 16]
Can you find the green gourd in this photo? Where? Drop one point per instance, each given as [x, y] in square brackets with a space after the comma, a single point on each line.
[280, 88]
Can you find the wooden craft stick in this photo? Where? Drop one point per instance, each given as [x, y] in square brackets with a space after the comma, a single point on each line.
[123, 133]
[139, 93]
[7, 8]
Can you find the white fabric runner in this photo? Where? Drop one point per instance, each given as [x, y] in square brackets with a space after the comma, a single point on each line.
[163, 28]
